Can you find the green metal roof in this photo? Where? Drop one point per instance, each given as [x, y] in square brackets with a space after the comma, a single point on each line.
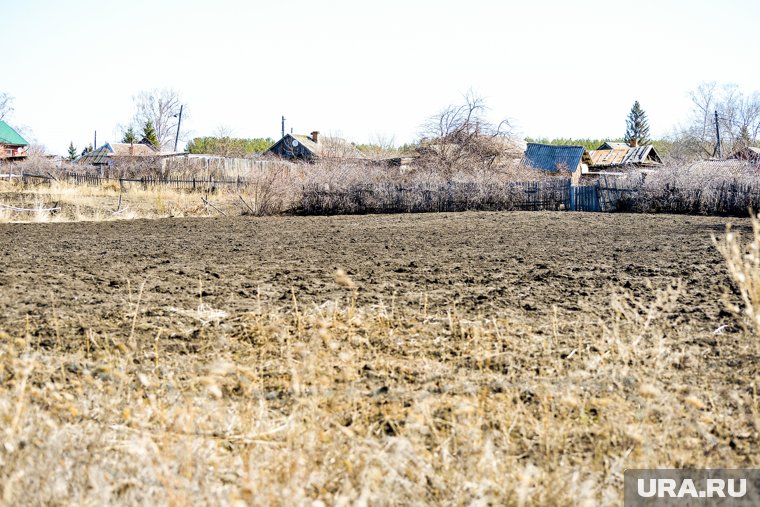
[10, 136]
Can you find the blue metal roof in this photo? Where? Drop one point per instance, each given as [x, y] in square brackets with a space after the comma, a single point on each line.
[551, 157]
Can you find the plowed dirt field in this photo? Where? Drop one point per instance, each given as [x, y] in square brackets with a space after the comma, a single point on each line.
[529, 265]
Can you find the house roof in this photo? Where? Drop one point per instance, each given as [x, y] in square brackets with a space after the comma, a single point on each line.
[616, 154]
[327, 147]
[611, 145]
[131, 150]
[723, 166]
[747, 153]
[9, 136]
[552, 157]
[308, 142]
[102, 154]
[95, 157]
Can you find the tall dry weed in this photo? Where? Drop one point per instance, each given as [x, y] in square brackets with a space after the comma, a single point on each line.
[743, 262]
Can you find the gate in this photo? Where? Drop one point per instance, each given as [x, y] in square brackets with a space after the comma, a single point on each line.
[584, 198]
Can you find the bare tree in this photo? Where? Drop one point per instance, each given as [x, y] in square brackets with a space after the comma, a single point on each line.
[334, 147]
[738, 119]
[460, 137]
[379, 147]
[225, 145]
[703, 100]
[161, 107]
[6, 105]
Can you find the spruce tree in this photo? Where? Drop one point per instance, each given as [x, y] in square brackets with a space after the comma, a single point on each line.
[744, 140]
[637, 126]
[72, 151]
[149, 133]
[129, 136]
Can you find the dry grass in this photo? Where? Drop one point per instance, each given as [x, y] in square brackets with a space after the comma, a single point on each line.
[33, 203]
[379, 405]
[743, 261]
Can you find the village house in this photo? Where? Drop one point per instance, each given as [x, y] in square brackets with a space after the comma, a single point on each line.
[111, 152]
[748, 153]
[13, 147]
[616, 156]
[557, 158]
[314, 147]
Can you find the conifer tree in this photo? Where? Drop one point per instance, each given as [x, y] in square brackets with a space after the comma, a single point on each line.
[744, 139]
[149, 133]
[637, 126]
[129, 136]
[72, 151]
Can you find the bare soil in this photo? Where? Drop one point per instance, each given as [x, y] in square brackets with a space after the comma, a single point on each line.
[526, 264]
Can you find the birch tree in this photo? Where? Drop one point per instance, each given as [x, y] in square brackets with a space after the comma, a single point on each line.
[161, 108]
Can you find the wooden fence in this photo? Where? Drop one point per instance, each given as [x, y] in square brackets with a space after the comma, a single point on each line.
[549, 195]
[191, 184]
[420, 197]
[190, 166]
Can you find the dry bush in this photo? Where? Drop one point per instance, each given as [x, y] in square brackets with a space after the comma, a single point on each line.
[460, 139]
[366, 188]
[743, 261]
[722, 187]
[33, 164]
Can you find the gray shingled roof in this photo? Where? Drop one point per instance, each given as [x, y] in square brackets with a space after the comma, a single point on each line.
[550, 157]
[96, 157]
[110, 150]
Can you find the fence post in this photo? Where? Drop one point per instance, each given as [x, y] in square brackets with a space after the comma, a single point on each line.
[570, 196]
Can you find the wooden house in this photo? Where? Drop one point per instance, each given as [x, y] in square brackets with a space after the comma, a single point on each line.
[748, 153]
[612, 156]
[574, 160]
[110, 152]
[314, 147]
[13, 147]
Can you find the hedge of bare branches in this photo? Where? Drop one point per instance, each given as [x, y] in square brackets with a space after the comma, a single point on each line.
[365, 188]
[706, 188]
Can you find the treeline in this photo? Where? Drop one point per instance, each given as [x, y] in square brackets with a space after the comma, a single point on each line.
[229, 146]
[380, 149]
[589, 144]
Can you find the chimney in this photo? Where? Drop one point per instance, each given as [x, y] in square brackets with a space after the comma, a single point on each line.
[634, 142]
[131, 148]
[315, 136]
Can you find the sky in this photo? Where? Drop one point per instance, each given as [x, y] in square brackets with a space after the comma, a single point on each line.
[368, 71]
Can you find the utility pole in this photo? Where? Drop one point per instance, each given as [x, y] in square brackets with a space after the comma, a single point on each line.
[717, 152]
[179, 122]
[283, 127]
[95, 142]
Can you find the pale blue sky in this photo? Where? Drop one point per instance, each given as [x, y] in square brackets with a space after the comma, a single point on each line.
[363, 69]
